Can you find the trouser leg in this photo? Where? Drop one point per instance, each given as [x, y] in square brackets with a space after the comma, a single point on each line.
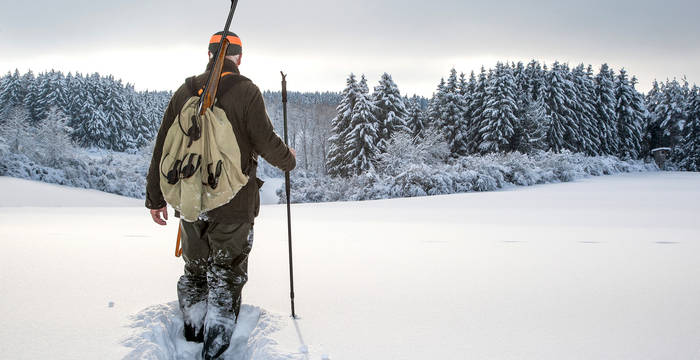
[192, 287]
[230, 245]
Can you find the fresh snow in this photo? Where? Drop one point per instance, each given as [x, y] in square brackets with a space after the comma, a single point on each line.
[26, 193]
[600, 268]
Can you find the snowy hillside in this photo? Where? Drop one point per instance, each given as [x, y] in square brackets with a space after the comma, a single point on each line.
[601, 268]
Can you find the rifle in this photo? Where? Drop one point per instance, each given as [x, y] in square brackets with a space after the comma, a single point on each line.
[206, 100]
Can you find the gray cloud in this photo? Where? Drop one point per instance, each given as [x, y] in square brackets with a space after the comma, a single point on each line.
[594, 31]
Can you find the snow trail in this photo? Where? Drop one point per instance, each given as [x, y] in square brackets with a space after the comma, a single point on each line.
[158, 335]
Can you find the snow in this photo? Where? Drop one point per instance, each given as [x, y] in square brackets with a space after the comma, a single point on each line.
[600, 268]
[27, 193]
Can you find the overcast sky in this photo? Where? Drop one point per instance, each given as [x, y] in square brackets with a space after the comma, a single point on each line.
[156, 44]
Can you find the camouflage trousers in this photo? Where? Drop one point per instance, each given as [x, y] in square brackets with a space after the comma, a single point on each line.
[209, 292]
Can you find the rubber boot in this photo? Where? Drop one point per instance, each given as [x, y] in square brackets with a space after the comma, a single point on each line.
[216, 341]
[191, 334]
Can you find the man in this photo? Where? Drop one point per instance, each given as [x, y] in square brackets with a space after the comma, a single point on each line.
[216, 246]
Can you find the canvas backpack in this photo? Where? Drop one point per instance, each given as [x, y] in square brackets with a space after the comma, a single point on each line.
[201, 163]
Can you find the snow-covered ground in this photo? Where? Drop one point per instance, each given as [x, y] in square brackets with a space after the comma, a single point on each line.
[601, 268]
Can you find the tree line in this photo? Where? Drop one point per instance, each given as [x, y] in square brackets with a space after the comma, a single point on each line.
[512, 107]
[98, 111]
[523, 108]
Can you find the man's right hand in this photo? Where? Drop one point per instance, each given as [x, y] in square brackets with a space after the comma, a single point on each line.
[294, 152]
[156, 215]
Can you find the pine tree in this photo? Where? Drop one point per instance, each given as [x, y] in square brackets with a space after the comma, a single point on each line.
[628, 121]
[536, 79]
[53, 135]
[363, 138]
[641, 114]
[93, 131]
[669, 114]
[57, 96]
[476, 112]
[16, 130]
[436, 102]
[496, 129]
[534, 126]
[451, 119]
[389, 109]
[39, 107]
[416, 120]
[336, 164]
[605, 110]
[10, 92]
[585, 107]
[121, 129]
[30, 100]
[652, 130]
[564, 131]
[690, 146]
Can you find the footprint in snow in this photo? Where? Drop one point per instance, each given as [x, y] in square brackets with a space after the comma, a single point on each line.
[158, 334]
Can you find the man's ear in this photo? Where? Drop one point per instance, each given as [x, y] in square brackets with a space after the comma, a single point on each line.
[209, 54]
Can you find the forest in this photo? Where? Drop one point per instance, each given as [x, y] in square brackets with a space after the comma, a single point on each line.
[94, 131]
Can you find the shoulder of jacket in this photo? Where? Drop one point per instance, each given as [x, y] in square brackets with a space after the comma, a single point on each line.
[243, 89]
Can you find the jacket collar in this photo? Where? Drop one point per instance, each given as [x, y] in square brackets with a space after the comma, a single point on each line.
[229, 66]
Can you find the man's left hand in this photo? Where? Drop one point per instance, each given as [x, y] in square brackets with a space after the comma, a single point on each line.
[156, 215]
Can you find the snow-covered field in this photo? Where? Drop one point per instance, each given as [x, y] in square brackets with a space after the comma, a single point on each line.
[601, 268]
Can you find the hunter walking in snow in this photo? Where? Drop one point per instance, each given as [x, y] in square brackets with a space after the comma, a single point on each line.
[216, 239]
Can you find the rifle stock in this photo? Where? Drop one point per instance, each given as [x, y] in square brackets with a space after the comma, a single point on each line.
[209, 94]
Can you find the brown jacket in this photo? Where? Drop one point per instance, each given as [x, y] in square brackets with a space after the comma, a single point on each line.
[244, 107]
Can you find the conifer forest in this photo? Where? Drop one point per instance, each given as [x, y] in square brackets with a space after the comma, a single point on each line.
[94, 131]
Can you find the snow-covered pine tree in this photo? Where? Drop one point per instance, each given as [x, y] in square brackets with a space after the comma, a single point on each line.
[534, 125]
[669, 114]
[469, 92]
[416, 118]
[690, 145]
[476, 109]
[30, 100]
[522, 101]
[451, 119]
[16, 130]
[589, 139]
[436, 102]
[652, 131]
[362, 139]
[641, 114]
[336, 164]
[53, 138]
[121, 130]
[58, 97]
[389, 109]
[10, 92]
[45, 97]
[629, 125]
[137, 115]
[93, 131]
[80, 95]
[606, 113]
[564, 131]
[496, 128]
[463, 86]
